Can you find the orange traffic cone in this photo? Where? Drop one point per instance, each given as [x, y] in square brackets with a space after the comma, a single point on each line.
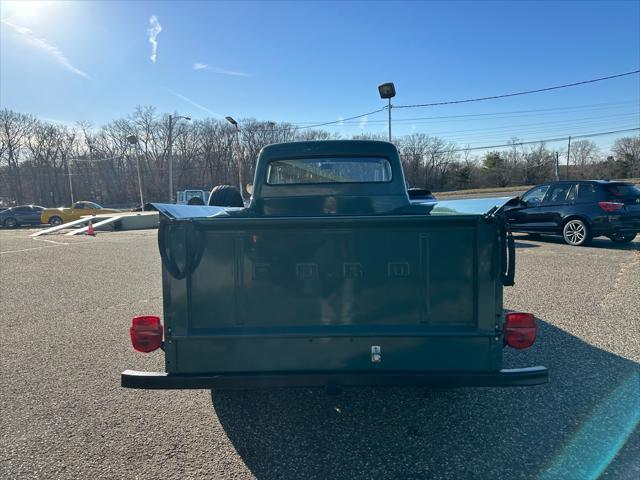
[90, 230]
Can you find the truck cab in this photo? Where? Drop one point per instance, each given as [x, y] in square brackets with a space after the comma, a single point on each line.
[332, 276]
[192, 197]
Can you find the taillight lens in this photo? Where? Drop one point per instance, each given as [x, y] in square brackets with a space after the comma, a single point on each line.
[146, 333]
[611, 206]
[520, 330]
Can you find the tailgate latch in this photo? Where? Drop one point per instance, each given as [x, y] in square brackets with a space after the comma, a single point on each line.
[376, 355]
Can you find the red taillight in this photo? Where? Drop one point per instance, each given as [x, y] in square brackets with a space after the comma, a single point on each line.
[146, 333]
[611, 206]
[520, 330]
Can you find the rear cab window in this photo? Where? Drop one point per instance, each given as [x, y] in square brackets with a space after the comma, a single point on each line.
[296, 171]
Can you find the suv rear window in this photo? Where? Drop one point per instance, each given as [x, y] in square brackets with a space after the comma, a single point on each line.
[328, 170]
[623, 190]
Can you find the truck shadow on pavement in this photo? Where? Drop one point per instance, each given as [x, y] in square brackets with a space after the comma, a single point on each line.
[520, 244]
[598, 242]
[581, 424]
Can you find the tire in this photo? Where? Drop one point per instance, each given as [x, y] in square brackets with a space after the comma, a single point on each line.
[11, 222]
[55, 221]
[576, 232]
[195, 201]
[622, 238]
[226, 196]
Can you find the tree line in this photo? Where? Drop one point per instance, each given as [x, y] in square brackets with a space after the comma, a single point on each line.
[43, 162]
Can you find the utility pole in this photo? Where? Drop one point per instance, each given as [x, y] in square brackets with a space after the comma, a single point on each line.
[557, 166]
[568, 156]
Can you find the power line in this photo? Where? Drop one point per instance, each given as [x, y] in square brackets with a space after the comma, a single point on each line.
[631, 117]
[545, 112]
[628, 117]
[499, 137]
[335, 121]
[515, 94]
[451, 102]
[593, 106]
[522, 136]
[550, 140]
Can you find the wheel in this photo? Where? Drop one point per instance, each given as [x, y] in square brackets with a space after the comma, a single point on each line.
[226, 196]
[11, 222]
[55, 221]
[622, 237]
[576, 232]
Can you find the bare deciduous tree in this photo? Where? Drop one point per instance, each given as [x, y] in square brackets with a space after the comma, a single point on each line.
[37, 158]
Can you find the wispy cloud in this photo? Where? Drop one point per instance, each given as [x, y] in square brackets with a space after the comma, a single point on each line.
[363, 122]
[40, 43]
[221, 71]
[154, 30]
[340, 121]
[229, 72]
[193, 103]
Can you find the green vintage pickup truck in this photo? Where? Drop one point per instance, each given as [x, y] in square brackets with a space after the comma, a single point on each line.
[333, 276]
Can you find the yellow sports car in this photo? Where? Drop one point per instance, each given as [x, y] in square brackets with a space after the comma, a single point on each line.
[58, 216]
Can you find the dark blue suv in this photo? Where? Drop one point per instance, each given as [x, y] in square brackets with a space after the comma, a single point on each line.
[21, 215]
[578, 210]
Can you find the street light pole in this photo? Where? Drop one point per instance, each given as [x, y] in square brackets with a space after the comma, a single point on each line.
[170, 159]
[233, 122]
[70, 181]
[388, 91]
[389, 108]
[133, 140]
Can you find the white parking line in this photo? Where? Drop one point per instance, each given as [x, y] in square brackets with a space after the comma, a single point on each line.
[55, 244]
[49, 241]
[34, 248]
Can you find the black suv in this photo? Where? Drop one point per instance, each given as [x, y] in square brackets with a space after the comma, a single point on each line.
[578, 210]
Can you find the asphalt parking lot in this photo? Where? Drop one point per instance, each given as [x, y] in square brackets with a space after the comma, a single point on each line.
[65, 309]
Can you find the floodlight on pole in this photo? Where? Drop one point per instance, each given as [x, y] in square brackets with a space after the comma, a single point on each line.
[388, 91]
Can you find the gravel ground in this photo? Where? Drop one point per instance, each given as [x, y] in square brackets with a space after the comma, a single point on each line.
[65, 309]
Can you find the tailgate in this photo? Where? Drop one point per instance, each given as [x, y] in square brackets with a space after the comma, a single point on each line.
[317, 294]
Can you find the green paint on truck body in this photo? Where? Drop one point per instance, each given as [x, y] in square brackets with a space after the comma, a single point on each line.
[349, 279]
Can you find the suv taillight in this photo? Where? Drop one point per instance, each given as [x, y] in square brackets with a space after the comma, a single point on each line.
[519, 330]
[146, 333]
[611, 206]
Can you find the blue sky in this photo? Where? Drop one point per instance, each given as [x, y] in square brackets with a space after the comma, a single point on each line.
[319, 61]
